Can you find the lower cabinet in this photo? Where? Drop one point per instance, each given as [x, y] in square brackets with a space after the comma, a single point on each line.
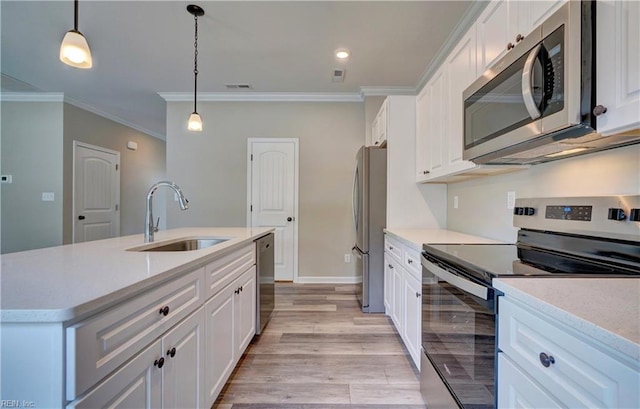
[167, 374]
[230, 317]
[544, 364]
[403, 295]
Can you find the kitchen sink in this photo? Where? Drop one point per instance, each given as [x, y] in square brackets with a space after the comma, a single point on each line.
[183, 244]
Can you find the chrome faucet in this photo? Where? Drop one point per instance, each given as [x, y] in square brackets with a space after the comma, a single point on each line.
[149, 227]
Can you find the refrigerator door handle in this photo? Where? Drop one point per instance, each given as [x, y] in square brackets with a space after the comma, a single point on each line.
[355, 198]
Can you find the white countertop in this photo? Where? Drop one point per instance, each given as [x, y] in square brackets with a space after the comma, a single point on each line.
[606, 309]
[62, 283]
[416, 237]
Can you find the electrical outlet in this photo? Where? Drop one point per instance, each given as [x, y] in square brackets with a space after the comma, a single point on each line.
[455, 202]
[7, 179]
[511, 200]
[347, 258]
[48, 196]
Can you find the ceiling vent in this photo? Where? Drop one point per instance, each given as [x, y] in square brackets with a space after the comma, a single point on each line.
[338, 75]
[238, 86]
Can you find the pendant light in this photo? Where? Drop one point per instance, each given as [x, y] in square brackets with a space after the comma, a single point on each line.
[195, 122]
[74, 50]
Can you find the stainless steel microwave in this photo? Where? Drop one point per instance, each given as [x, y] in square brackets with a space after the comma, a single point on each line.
[537, 103]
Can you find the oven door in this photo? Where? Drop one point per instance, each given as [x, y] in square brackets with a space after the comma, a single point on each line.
[458, 338]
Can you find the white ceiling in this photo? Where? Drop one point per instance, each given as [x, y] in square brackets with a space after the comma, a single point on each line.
[141, 48]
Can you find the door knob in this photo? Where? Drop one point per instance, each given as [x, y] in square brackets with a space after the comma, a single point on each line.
[289, 219]
[81, 217]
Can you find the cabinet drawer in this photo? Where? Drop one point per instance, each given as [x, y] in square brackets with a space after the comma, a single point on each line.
[224, 270]
[99, 345]
[393, 247]
[411, 262]
[582, 374]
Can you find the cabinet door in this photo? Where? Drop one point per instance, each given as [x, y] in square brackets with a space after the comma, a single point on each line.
[533, 13]
[183, 372]
[398, 301]
[618, 65]
[437, 119]
[496, 29]
[461, 68]
[138, 384]
[219, 341]
[245, 311]
[517, 390]
[412, 328]
[423, 158]
[388, 285]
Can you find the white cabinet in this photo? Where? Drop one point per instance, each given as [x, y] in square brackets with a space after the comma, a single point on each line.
[379, 126]
[618, 65]
[167, 374]
[504, 23]
[403, 294]
[230, 318]
[544, 363]
[496, 28]
[412, 329]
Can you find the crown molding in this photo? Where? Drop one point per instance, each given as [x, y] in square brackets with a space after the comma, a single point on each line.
[112, 117]
[467, 21]
[261, 97]
[384, 91]
[31, 97]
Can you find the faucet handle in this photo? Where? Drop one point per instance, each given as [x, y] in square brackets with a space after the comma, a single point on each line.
[155, 228]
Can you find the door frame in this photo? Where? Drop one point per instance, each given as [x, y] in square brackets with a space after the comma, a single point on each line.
[296, 190]
[76, 145]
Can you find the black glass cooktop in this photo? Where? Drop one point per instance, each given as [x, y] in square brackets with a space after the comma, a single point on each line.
[541, 255]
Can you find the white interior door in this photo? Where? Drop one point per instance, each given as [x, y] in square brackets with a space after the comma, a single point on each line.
[273, 198]
[96, 193]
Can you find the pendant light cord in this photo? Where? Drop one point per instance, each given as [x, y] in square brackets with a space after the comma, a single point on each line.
[195, 65]
[75, 16]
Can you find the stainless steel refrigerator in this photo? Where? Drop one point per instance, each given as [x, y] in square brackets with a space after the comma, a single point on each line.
[369, 219]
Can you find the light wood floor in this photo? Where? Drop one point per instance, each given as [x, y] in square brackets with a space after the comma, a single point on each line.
[319, 351]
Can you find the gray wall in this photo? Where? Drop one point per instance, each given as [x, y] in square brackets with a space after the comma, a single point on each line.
[139, 169]
[32, 154]
[483, 202]
[211, 167]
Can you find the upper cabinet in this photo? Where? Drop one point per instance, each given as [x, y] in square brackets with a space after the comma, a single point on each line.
[618, 65]
[439, 105]
[504, 23]
[379, 126]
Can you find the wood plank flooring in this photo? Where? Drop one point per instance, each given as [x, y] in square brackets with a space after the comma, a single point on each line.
[319, 351]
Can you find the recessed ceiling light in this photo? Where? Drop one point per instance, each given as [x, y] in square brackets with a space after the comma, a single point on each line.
[342, 53]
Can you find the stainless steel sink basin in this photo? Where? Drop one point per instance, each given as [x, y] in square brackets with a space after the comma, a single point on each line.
[183, 245]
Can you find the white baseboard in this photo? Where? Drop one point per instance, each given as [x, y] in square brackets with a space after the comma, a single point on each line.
[328, 280]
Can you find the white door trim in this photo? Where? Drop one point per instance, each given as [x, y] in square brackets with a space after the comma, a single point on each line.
[296, 191]
[77, 144]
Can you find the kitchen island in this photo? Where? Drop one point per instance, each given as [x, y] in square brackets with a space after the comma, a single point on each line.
[88, 323]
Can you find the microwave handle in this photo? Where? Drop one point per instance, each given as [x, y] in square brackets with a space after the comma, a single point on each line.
[527, 92]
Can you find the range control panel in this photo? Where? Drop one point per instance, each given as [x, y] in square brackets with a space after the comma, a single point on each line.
[600, 216]
[566, 212]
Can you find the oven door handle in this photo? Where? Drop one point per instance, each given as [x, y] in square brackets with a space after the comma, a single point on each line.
[527, 84]
[456, 281]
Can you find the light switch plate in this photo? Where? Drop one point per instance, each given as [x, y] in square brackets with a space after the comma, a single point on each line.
[455, 202]
[48, 196]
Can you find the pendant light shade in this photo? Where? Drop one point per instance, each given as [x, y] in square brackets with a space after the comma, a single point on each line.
[74, 50]
[195, 122]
